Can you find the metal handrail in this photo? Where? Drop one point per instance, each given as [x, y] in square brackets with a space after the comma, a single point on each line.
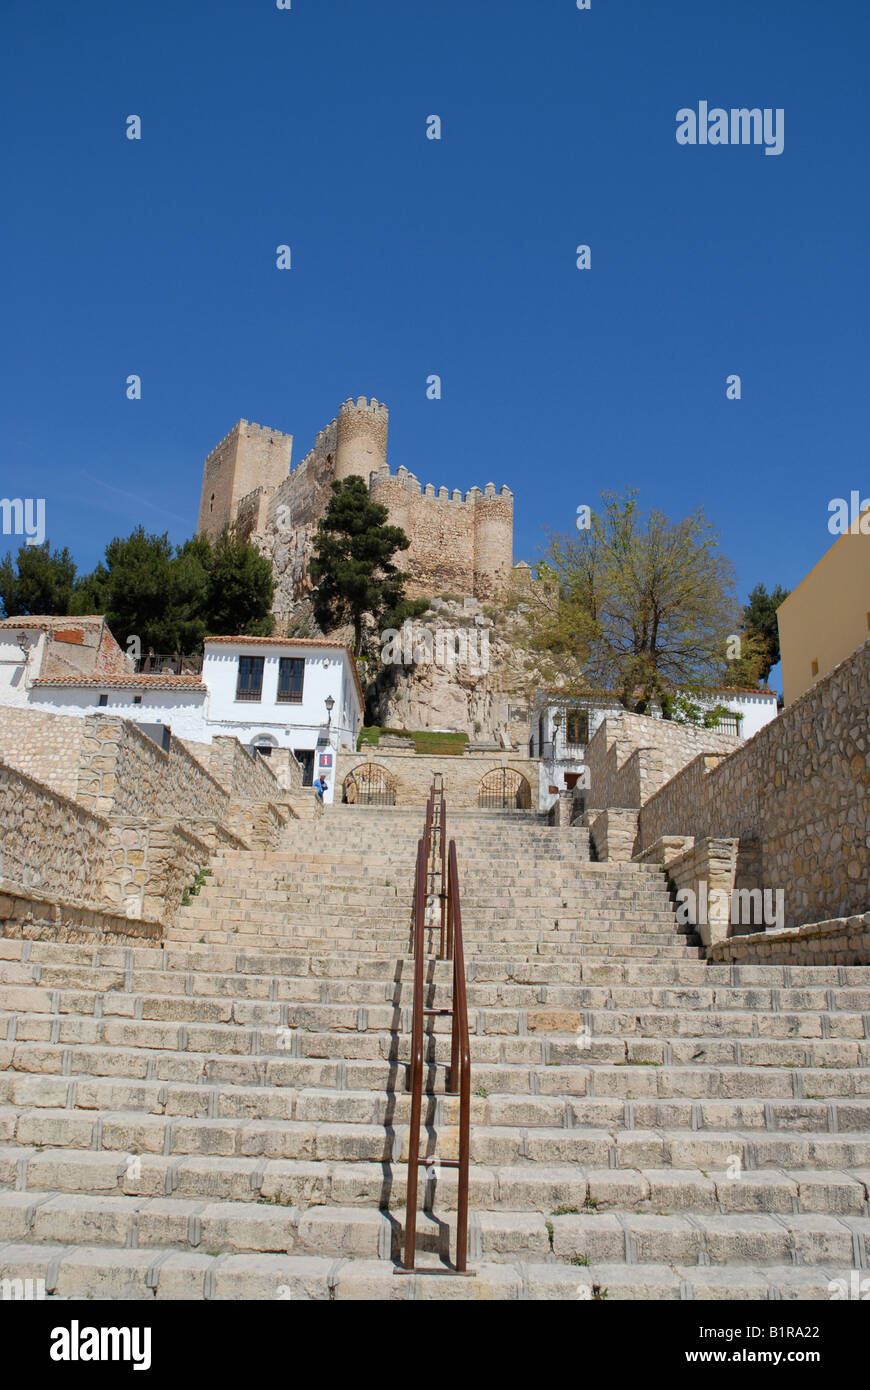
[435, 860]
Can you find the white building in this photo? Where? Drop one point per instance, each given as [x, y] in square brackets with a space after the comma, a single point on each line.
[562, 728]
[275, 692]
[268, 692]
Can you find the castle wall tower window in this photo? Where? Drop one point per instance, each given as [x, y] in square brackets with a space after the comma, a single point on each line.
[291, 679]
[211, 503]
[249, 685]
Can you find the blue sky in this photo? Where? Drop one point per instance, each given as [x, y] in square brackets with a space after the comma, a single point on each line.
[413, 257]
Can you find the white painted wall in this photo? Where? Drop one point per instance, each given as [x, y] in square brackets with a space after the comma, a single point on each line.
[297, 726]
[182, 710]
[16, 670]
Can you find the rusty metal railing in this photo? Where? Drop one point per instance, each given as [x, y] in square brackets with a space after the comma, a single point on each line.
[437, 863]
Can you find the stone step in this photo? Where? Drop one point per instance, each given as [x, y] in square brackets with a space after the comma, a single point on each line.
[382, 1106]
[551, 1189]
[579, 1240]
[499, 1145]
[549, 1048]
[517, 967]
[166, 1273]
[729, 1018]
[69, 982]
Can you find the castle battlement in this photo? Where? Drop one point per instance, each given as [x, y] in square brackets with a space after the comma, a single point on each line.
[473, 497]
[459, 542]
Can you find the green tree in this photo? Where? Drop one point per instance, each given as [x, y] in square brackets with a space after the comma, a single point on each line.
[761, 628]
[240, 589]
[640, 606]
[37, 580]
[133, 589]
[172, 598]
[352, 567]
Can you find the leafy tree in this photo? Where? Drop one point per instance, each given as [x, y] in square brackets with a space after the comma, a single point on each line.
[352, 567]
[639, 606]
[37, 580]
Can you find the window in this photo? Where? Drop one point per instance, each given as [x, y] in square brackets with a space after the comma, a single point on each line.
[576, 728]
[102, 700]
[291, 678]
[137, 699]
[250, 682]
[814, 668]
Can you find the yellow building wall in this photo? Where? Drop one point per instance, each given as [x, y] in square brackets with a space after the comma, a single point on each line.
[827, 617]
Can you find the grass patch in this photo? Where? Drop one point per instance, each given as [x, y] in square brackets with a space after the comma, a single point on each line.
[449, 745]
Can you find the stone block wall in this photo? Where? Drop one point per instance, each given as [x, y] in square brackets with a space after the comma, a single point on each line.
[235, 770]
[631, 756]
[797, 795]
[841, 941]
[47, 841]
[46, 747]
[412, 773]
[123, 772]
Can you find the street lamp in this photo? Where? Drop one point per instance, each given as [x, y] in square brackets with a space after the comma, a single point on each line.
[557, 724]
[330, 706]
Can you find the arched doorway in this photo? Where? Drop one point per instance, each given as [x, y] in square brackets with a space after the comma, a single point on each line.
[504, 789]
[369, 785]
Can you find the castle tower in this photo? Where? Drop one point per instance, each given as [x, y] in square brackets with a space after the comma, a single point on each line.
[250, 456]
[362, 439]
[493, 541]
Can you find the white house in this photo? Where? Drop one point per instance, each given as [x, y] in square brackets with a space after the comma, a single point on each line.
[278, 692]
[562, 728]
[269, 692]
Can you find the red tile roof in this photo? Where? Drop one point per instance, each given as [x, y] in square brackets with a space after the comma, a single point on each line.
[146, 682]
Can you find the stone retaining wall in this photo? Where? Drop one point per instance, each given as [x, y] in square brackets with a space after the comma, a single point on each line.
[46, 747]
[840, 941]
[797, 795]
[412, 773]
[48, 842]
[630, 756]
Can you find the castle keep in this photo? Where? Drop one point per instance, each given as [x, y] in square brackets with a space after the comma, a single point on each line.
[460, 543]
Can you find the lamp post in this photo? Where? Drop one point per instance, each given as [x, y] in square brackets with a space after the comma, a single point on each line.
[330, 706]
[557, 724]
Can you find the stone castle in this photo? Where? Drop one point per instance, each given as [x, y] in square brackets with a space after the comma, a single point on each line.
[460, 544]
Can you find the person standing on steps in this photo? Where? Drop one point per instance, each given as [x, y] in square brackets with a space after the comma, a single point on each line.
[320, 789]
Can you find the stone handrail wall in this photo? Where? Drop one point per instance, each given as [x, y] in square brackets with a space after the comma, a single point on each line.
[630, 756]
[47, 841]
[123, 772]
[240, 774]
[797, 795]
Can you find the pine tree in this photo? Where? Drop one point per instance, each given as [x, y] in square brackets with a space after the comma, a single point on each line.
[37, 580]
[352, 567]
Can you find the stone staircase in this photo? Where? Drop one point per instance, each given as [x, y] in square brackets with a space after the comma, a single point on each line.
[225, 1116]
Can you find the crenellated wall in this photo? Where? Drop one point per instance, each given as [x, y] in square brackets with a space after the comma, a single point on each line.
[460, 543]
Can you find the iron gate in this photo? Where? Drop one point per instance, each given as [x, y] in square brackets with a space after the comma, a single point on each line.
[503, 789]
[369, 785]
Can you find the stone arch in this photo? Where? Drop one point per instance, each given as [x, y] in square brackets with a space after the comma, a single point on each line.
[502, 789]
[369, 784]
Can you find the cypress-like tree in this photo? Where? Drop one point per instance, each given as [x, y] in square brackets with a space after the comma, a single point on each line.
[352, 568]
